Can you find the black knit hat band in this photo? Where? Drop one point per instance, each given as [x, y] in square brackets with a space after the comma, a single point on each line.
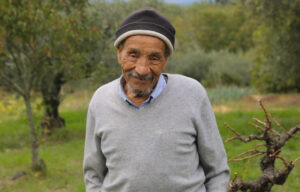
[146, 22]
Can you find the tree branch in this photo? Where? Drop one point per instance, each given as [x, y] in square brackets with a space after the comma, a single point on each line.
[245, 140]
[278, 124]
[13, 84]
[285, 137]
[295, 161]
[248, 157]
[283, 160]
[10, 47]
[253, 151]
[273, 132]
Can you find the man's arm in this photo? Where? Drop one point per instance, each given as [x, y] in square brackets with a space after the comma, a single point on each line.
[211, 150]
[94, 162]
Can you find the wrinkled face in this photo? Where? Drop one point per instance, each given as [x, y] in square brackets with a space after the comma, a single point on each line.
[142, 59]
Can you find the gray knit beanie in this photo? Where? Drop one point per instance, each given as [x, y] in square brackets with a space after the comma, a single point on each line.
[147, 21]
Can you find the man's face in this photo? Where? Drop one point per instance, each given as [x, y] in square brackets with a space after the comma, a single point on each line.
[142, 59]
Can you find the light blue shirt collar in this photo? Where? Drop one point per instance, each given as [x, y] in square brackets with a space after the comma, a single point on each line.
[161, 84]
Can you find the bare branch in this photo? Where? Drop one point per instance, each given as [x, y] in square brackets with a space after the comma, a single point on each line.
[248, 157]
[273, 132]
[295, 161]
[10, 47]
[293, 130]
[231, 139]
[252, 137]
[278, 124]
[241, 154]
[283, 160]
[252, 151]
[285, 137]
[265, 111]
[259, 121]
[245, 140]
[13, 84]
[256, 126]
[233, 180]
[234, 131]
[275, 153]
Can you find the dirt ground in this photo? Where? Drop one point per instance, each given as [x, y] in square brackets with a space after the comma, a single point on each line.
[274, 101]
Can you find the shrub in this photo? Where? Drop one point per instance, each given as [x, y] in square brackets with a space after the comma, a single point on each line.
[228, 69]
[194, 64]
[213, 69]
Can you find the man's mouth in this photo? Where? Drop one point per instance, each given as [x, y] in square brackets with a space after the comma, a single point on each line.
[141, 78]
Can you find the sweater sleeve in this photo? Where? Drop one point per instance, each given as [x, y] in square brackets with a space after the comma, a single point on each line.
[94, 161]
[211, 150]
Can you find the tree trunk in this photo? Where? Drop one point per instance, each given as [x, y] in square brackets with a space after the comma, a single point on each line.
[37, 163]
[50, 92]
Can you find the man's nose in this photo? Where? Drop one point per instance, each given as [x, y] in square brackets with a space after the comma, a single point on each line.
[142, 67]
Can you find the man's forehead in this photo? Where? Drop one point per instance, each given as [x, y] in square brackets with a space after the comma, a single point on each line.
[142, 38]
[144, 41]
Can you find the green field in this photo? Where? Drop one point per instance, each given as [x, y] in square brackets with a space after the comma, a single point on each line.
[63, 151]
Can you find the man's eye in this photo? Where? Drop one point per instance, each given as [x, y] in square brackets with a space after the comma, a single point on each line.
[154, 58]
[133, 55]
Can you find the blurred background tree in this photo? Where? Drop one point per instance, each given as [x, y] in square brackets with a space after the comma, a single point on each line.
[277, 41]
[23, 52]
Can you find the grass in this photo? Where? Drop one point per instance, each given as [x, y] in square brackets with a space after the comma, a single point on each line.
[63, 151]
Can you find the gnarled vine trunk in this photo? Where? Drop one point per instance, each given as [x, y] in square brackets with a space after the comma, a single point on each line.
[273, 143]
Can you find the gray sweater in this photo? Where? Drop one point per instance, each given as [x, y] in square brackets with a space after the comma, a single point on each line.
[172, 145]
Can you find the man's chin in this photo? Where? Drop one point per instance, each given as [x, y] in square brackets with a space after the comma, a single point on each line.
[140, 92]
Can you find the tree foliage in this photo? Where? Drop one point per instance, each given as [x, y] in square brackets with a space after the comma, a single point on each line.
[215, 27]
[277, 42]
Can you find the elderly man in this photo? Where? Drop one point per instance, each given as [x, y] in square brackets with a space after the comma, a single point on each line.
[148, 131]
